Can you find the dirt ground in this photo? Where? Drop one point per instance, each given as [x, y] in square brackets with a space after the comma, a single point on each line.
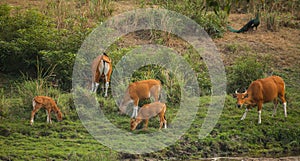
[283, 45]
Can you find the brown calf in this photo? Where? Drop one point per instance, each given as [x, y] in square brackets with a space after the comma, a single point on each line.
[48, 103]
[262, 91]
[148, 111]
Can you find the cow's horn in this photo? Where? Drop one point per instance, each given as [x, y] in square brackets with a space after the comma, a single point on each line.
[236, 92]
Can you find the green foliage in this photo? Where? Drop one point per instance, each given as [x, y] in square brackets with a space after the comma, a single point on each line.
[63, 63]
[212, 22]
[29, 36]
[245, 70]
[198, 65]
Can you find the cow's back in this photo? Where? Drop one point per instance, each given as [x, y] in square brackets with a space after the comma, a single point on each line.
[142, 88]
[266, 89]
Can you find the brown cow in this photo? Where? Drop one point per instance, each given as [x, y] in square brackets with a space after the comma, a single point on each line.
[140, 90]
[262, 91]
[49, 104]
[148, 111]
[101, 68]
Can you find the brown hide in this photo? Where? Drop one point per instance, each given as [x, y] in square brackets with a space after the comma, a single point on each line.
[140, 90]
[262, 91]
[96, 65]
[148, 111]
[49, 104]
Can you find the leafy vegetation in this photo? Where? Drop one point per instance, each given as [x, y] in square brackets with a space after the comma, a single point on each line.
[37, 52]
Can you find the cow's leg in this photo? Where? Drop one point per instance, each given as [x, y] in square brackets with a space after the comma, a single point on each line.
[36, 108]
[48, 112]
[162, 122]
[259, 117]
[135, 108]
[135, 112]
[146, 124]
[275, 107]
[95, 87]
[284, 105]
[107, 78]
[99, 74]
[95, 82]
[106, 86]
[259, 108]
[284, 108]
[282, 97]
[245, 114]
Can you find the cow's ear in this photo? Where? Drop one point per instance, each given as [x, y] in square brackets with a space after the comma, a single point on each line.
[132, 120]
[246, 95]
[233, 95]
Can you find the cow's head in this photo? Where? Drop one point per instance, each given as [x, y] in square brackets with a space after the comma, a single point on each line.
[241, 98]
[133, 123]
[58, 115]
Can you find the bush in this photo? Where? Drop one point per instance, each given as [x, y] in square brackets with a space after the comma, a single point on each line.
[245, 70]
[212, 15]
[29, 36]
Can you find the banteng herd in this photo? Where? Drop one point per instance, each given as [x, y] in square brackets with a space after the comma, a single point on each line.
[259, 92]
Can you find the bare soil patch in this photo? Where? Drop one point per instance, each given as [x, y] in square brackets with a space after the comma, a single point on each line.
[283, 46]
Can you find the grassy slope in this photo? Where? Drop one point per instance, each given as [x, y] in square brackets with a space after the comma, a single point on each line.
[69, 140]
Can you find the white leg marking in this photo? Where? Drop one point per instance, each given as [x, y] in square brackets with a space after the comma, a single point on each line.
[93, 84]
[165, 124]
[31, 122]
[134, 113]
[259, 117]
[47, 116]
[106, 88]
[245, 114]
[97, 85]
[94, 87]
[284, 107]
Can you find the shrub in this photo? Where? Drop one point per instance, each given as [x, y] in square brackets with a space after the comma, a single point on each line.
[212, 15]
[243, 72]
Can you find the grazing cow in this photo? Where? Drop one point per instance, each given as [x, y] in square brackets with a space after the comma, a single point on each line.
[148, 111]
[48, 103]
[101, 68]
[262, 91]
[140, 90]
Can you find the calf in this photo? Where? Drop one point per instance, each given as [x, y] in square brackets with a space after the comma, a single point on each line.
[262, 91]
[140, 90]
[148, 111]
[48, 103]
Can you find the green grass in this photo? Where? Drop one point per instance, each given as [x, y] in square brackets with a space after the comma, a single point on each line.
[69, 140]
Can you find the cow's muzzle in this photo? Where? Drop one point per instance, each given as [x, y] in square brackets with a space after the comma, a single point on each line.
[238, 105]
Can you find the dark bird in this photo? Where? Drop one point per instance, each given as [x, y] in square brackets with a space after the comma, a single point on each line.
[250, 25]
